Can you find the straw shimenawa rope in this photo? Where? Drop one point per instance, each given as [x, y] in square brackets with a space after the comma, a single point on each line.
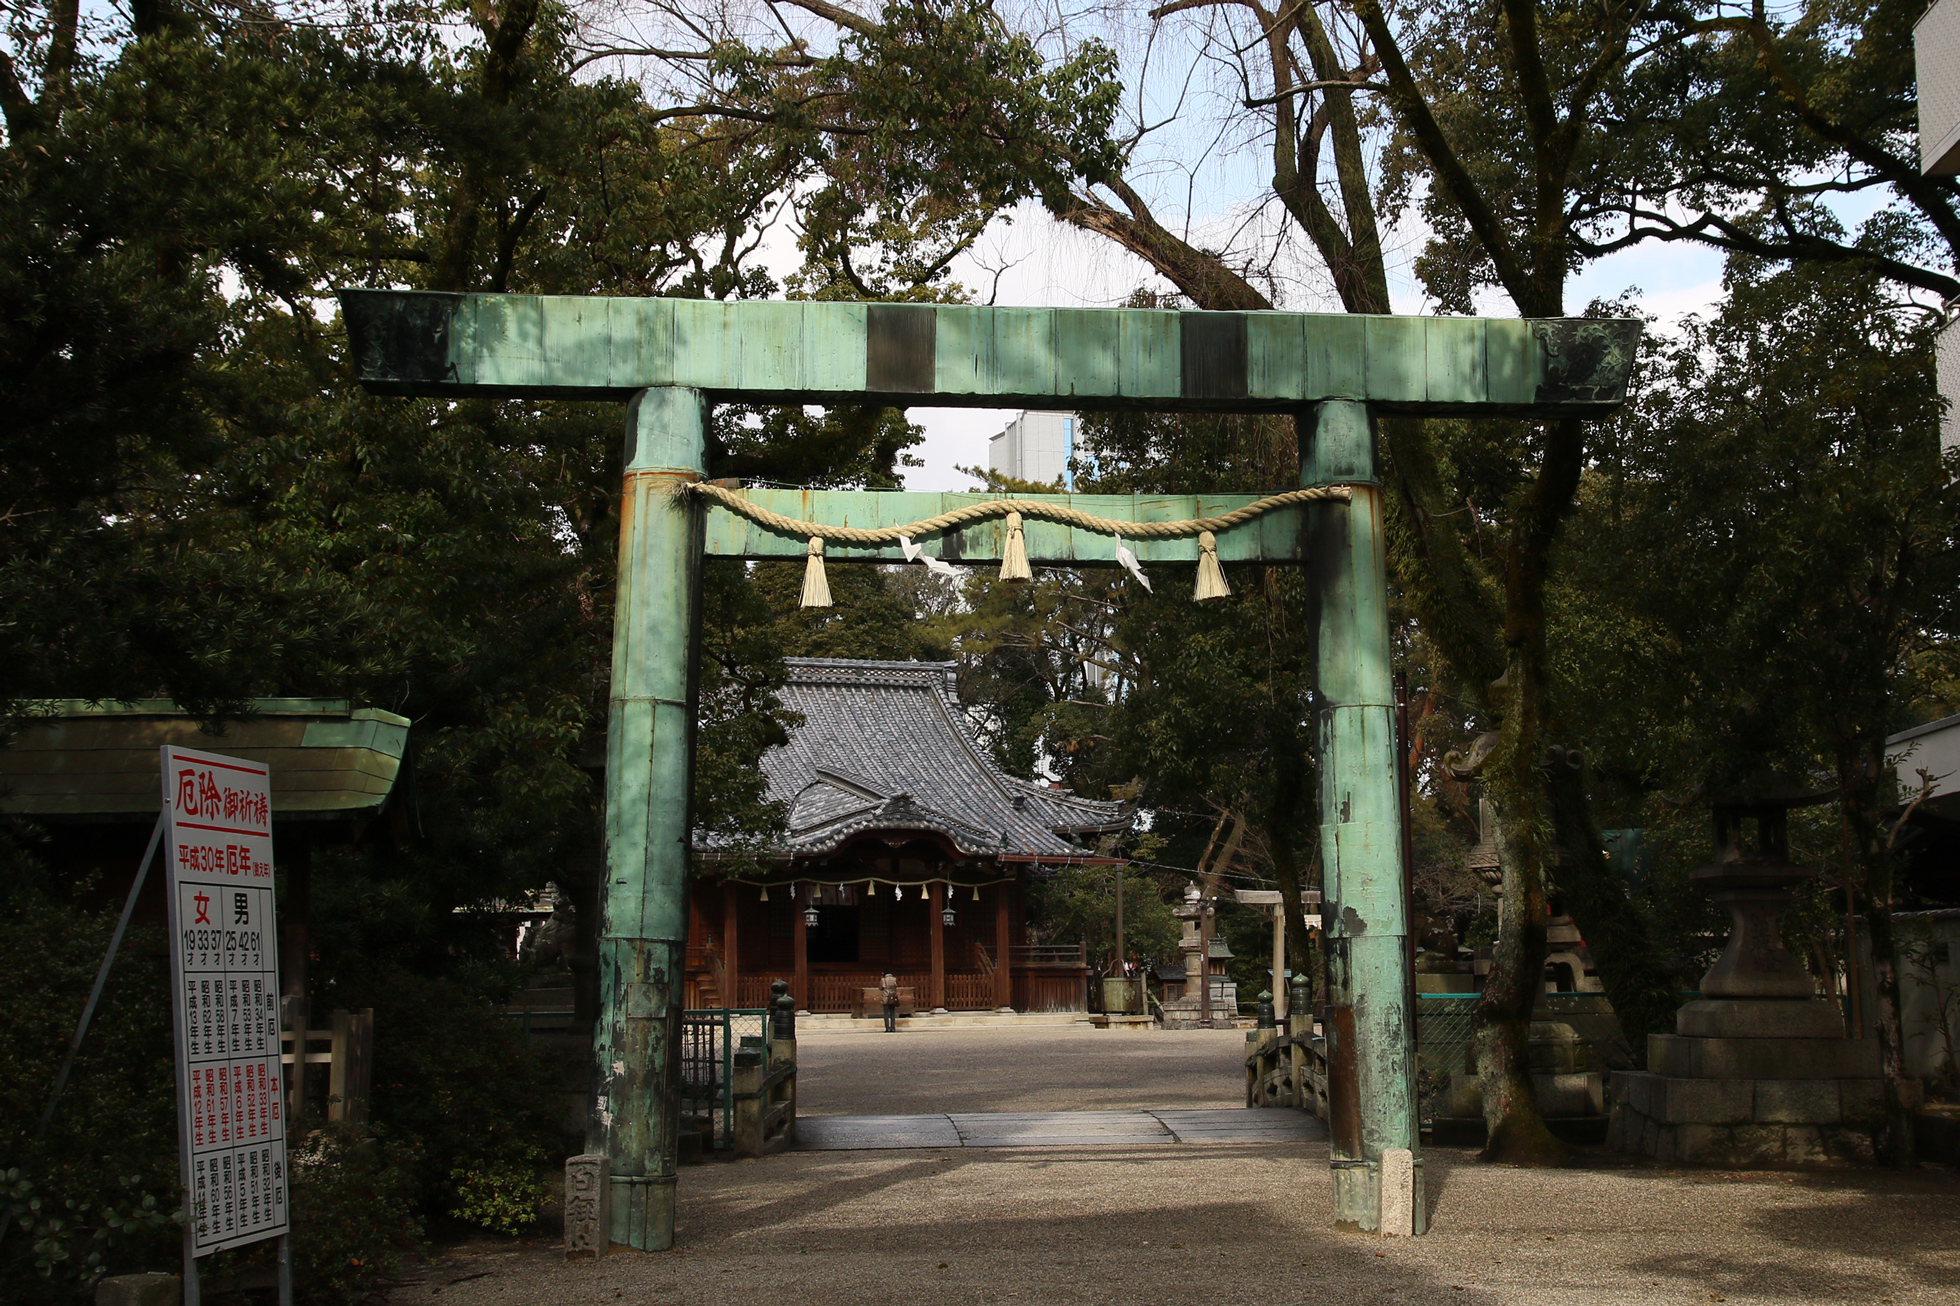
[1014, 557]
[734, 501]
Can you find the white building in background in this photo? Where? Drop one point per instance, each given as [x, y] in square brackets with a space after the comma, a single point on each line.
[1035, 447]
[1936, 58]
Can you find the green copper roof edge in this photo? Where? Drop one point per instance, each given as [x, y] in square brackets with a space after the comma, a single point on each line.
[260, 707]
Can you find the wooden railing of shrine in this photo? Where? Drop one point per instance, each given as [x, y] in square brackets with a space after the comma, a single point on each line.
[1034, 991]
[969, 992]
[1050, 954]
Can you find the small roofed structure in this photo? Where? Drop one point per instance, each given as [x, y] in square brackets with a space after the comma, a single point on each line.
[96, 763]
[909, 850]
[88, 774]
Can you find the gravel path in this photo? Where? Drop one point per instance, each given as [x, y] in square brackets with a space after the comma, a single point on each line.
[1221, 1223]
[1241, 1225]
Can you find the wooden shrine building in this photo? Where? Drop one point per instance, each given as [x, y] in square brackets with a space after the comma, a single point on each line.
[909, 850]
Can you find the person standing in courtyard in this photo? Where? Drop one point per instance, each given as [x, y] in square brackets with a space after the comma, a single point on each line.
[888, 990]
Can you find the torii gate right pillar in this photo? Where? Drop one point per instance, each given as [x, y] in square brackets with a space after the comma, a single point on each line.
[1370, 1026]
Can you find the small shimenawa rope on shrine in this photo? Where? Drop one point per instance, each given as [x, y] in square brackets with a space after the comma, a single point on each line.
[1014, 558]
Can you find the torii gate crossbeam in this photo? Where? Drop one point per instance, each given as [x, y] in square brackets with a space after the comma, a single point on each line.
[670, 359]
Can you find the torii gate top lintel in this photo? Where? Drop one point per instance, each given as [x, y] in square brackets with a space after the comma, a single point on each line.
[772, 351]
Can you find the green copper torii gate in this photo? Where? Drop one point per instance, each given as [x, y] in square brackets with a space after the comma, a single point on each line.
[669, 359]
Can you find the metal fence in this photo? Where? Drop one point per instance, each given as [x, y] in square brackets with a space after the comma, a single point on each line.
[709, 1040]
[1444, 1024]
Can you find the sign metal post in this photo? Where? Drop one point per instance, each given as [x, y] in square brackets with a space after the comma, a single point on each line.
[224, 970]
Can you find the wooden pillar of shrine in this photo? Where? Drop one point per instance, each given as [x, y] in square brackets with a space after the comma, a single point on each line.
[936, 926]
[1003, 962]
[731, 970]
[800, 898]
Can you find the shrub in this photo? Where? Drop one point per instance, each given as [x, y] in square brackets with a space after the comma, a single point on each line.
[72, 1238]
[471, 1091]
[354, 1211]
[501, 1198]
[97, 1193]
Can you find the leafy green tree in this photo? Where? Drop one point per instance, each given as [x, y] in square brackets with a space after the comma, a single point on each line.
[1741, 131]
[1079, 902]
[201, 504]
[1765, 552]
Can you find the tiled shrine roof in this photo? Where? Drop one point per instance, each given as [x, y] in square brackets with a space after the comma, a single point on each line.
[885, 746]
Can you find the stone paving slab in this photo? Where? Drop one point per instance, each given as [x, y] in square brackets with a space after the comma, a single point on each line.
[1055, 1129]
[867, 1133]
[940, 1072]
[1264, 1125]
[1062, 1129]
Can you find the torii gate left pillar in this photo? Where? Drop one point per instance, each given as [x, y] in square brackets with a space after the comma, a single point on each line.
[636, 1070]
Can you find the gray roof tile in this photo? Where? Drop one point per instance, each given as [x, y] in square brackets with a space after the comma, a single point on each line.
[886, 746]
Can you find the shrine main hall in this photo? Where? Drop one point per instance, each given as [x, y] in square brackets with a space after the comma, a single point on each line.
[908, 850]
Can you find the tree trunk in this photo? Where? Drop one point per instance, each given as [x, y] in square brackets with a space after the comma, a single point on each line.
[505, 36]
[1859, 766]
[1516, 1127]
[1642, 992]
[1894, 1142]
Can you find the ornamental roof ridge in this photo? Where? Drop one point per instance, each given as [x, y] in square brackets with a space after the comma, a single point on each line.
[870, 671]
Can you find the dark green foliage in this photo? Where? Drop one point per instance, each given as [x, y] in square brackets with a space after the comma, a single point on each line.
[453, 1078]
[504, 1198]
[200, 505]
[1768, 540]
[1079, 902]
[97, 1193]
[871, 615]
[1761, 580]
[842, 447]
[356, 1211]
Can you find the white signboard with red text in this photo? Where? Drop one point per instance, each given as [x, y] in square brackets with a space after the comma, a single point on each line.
[225, 968]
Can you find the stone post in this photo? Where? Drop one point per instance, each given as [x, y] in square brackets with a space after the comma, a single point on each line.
[782, 1012]
[588, 1219]
[751, 1067]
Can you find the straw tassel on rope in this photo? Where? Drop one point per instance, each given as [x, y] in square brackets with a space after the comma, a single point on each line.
[816, 589]
[1211, 577]
[1014, 558]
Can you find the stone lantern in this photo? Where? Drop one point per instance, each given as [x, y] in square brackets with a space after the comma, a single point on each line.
[1757, 988]
[1758, 1070]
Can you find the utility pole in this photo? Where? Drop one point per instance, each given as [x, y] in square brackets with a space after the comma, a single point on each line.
[1121, 875]
[1205, 910]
